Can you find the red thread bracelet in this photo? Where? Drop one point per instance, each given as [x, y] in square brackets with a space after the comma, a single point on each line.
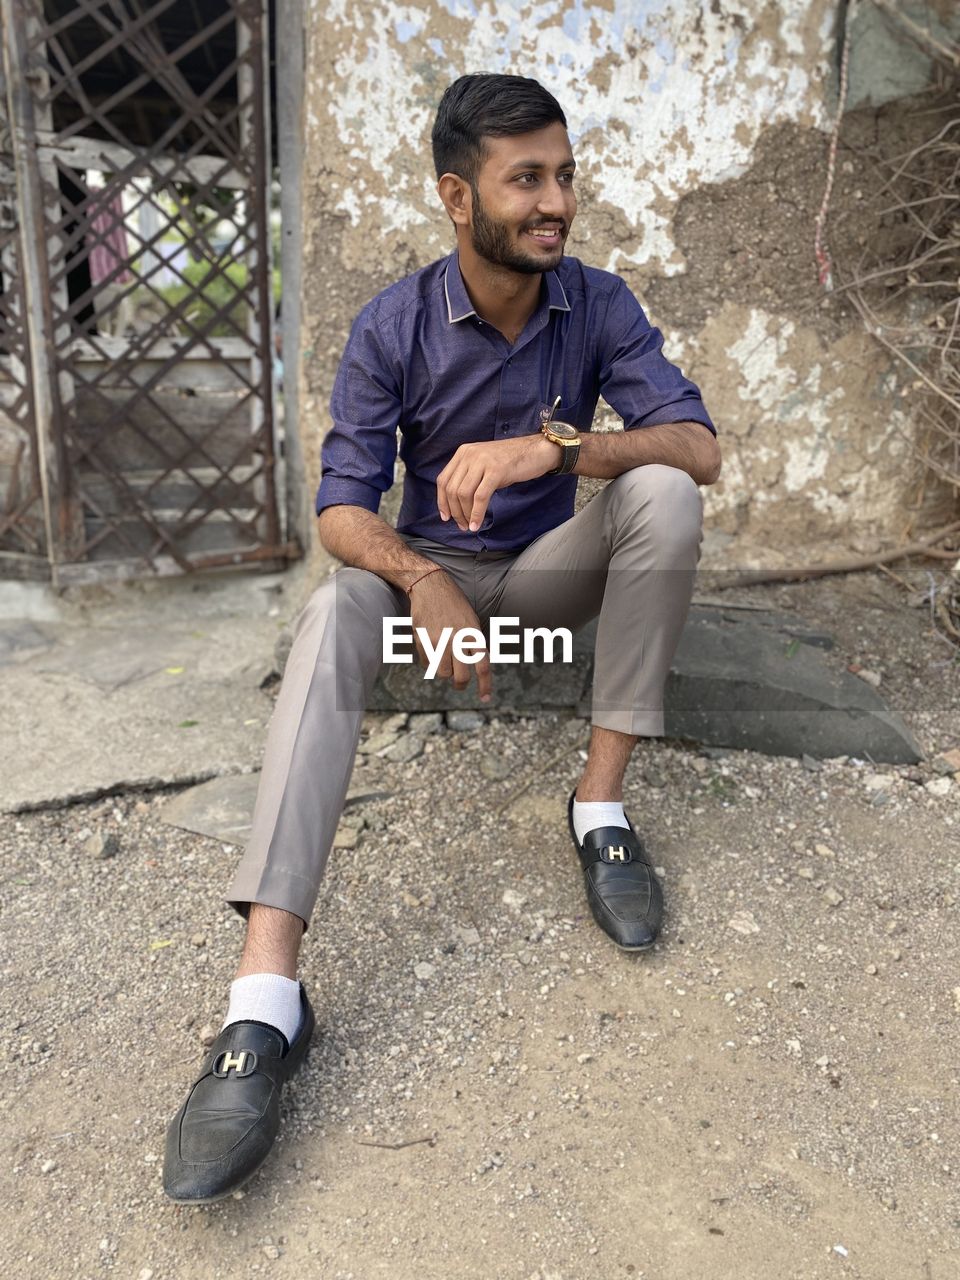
[436, 569]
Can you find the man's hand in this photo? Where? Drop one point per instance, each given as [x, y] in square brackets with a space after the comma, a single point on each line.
[476, 471]
[437, 602]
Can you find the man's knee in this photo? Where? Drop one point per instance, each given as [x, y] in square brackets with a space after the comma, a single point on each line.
[349, 595]
[664, 498]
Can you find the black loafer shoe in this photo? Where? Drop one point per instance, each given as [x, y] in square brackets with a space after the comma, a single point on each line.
[224, 1131]
[624, 894]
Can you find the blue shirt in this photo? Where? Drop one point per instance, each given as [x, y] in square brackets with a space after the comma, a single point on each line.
[421, 359]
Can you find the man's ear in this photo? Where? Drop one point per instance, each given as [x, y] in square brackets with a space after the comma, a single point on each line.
[457, 198]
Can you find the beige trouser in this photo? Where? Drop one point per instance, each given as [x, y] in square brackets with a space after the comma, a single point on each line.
[629, 555]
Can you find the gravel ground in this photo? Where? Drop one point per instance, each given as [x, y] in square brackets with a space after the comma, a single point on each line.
[771, 1091]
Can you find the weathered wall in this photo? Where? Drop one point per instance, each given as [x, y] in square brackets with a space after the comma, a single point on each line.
[700, 136]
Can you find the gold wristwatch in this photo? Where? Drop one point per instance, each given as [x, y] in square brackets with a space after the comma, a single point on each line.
[563, 434]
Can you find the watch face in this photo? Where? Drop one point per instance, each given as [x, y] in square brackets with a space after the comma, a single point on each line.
[563, 429]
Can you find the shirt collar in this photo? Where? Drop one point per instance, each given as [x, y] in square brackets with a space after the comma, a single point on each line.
[459, 306]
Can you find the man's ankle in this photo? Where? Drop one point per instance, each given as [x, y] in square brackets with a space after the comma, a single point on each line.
[266, 997]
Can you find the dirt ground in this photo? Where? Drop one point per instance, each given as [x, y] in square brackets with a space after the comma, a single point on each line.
[494, 1089]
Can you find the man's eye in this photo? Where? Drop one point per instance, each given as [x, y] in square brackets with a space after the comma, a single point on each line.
[567, 177]
[527, 178]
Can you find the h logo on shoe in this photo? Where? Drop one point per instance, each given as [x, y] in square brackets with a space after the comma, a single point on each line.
[242, 1064]
[615, 853]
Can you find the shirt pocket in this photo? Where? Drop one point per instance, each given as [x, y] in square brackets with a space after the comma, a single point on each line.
[572, 413]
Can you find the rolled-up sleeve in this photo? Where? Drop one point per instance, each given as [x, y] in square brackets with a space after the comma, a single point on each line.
[360, 449]
[636, 379]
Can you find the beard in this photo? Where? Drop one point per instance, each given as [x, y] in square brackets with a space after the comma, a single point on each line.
[491, 240]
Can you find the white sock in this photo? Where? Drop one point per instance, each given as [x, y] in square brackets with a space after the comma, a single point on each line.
[266, 997]
[588, 815]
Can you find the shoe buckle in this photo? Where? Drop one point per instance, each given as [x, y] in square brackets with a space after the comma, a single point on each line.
[616, 853]
[241, 1064]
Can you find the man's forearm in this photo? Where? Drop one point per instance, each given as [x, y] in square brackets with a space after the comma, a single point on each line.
[365, 541]
[689, 446]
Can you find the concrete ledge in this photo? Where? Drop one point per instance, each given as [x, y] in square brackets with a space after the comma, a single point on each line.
[758, 681]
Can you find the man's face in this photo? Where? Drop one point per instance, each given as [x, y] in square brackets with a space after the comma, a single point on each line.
[523, 200]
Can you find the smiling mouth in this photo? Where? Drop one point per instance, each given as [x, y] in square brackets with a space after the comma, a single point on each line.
[549, 237]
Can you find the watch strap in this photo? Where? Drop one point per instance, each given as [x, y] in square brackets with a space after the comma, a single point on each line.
[571, 452]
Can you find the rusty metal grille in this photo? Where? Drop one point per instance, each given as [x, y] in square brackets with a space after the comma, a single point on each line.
[147, 137]
[23, 547]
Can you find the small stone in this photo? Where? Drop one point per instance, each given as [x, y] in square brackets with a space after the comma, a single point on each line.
[653, 777]
[404, 749]
[512, 899]
[198, 940]
[872, 678]
[145, 1273]
[495, 767]
[583, 1058]
[871, 969]
[101, 845]
[346, 838]
[805, 873]
[48, 1166]
[271, 1251]
[823, 851]
[877, 781]
[464, 721]
[810, 764]
[396, 723]
[743, 922]
[425, 722]
[956, 999]
[888, 1201]
[408, 899]
[939, 786]
[947, 761]
[207, 1035]
[467, 935]
[794, 1047]
[833, 896]
[424, 970]
[378, 742]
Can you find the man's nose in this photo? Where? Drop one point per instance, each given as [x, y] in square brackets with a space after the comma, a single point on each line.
[555, 200]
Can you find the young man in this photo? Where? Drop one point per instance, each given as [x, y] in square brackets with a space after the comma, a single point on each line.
[468, 357]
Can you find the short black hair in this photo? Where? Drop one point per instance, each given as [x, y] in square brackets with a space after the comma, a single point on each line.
[491, 106]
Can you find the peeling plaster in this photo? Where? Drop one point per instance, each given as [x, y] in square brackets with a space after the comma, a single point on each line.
[722, 76]
[662, 97]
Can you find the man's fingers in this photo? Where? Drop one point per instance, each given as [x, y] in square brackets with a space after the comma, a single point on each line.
[484, 678]
[461, 497]
[443, 503]
[461, 675]
[448, 495]
[481, 499]
[471, 496]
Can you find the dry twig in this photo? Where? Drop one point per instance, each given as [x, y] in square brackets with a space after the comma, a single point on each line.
[430, 1139]
[853, 565]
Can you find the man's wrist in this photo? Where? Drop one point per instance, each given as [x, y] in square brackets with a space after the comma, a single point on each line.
[405, 579]
[552, 453]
